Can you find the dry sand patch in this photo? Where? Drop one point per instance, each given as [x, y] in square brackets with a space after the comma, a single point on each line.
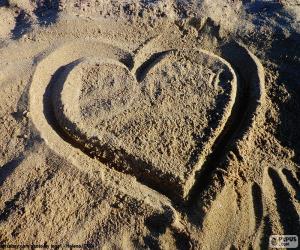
[146, 125]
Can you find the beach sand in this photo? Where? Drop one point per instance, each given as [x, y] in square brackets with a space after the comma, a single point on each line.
[149, 124]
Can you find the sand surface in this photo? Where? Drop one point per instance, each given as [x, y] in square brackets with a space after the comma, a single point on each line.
[149, 124]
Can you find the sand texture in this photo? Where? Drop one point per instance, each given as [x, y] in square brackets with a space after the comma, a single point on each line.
[149, 124]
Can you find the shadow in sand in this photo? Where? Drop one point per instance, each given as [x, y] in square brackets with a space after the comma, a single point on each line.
[287, 91]
[23, 25]
[3, 3]
[8, 168]
[261, 6]
[288, 213]
[47, 11]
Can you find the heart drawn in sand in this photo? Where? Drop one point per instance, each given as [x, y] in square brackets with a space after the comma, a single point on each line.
[159, 125]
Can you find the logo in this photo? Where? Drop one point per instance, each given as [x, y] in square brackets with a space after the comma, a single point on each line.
[283, 241]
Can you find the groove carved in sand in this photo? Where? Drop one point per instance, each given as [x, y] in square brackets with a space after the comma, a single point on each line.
[157, 122]
[247, 114]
